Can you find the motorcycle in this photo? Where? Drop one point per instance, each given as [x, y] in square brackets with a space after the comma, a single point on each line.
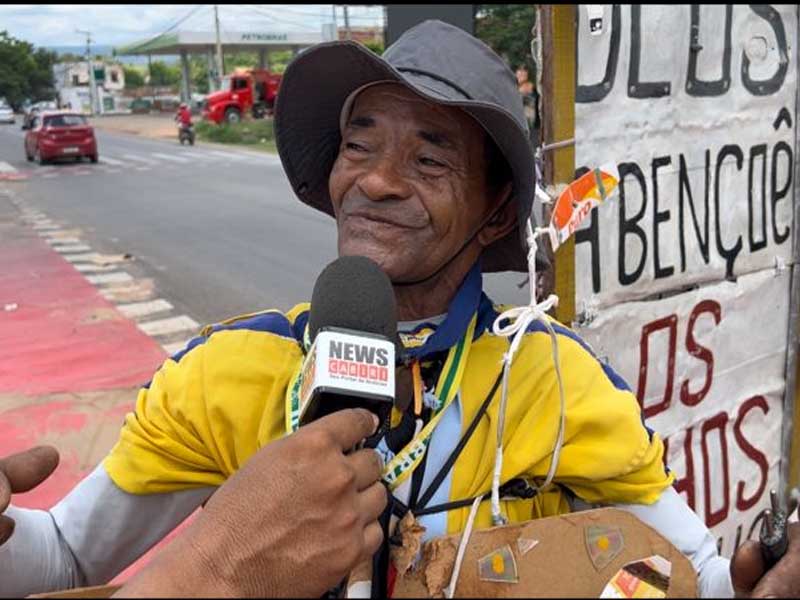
[186, 134]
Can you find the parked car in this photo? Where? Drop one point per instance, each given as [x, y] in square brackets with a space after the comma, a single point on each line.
[37, 108]
[7, 115]
[61, 134]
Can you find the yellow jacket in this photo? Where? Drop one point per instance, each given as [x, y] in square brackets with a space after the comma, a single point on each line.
[214, 404]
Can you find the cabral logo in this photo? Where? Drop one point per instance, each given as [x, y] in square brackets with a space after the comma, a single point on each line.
[362, 361]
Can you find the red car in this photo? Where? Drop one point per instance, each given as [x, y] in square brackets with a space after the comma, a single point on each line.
[62, 134]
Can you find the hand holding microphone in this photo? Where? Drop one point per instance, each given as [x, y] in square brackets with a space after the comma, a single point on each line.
[306, 510]
[292, 522]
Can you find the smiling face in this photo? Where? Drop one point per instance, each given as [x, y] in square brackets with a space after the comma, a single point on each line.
[409, 185]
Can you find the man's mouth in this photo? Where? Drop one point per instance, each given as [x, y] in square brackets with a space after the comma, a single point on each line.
[381, 219]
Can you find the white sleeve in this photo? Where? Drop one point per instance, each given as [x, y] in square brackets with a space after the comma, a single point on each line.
[673, 519]
[90, 536]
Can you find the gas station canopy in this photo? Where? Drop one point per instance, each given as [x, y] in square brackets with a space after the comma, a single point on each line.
[232, 41]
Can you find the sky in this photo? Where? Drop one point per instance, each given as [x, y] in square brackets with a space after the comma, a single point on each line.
[118, 24]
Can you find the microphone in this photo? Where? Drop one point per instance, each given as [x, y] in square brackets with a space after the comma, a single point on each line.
[353, 331]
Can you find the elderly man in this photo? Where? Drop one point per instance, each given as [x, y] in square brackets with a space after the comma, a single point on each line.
[423, 158]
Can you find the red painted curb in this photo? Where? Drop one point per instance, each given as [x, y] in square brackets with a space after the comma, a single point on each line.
[63, 335]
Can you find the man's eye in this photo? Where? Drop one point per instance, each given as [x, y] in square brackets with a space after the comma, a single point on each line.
[354, 146]
[430, 162]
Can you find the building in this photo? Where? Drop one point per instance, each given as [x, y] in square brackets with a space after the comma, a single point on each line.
[72, 85]
[203, 43]
[363, 34]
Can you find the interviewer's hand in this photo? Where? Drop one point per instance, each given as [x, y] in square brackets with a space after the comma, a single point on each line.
[20, 473]
[294, 521]
[781, 581]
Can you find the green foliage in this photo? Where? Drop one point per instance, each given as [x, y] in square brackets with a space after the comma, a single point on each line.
[240, 60]
[506, 29]
[69, 57]
[163, 74]
[133, 78]
[248, 132]
[376, 46]
[279, 61]
[25, 73]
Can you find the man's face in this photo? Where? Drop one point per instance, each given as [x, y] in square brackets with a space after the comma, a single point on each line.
[409, 184]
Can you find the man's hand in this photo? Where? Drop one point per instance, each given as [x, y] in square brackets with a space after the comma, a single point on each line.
[20, 473]
[294, 521]
[782, 581]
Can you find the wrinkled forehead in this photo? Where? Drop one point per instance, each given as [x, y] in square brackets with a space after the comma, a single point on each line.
[388, 95]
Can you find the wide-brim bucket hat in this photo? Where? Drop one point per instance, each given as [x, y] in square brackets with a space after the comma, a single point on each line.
[438, 61]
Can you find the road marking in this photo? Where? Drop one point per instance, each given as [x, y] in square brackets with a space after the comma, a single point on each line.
[50, 175]
[92, 268]
[67, 241]
[111, 161]
[197, 155]
[61, 233]
[229, 155]
[45, 226]
[167, 326]
[142, 309]
[7, 168]
[118, 277]
[170, 157]
[142, 168]
[82, 173]
[71, 249]
[175, 347]
[138, 158]
[81, 257]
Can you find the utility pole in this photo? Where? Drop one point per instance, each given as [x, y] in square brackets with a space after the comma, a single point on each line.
[92, 90]
[335, 26]
[347, 23]
[220, 65]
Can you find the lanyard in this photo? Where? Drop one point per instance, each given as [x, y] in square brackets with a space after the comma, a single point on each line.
[404, 463]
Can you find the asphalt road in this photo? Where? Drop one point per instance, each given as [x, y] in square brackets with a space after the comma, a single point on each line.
[218, 229]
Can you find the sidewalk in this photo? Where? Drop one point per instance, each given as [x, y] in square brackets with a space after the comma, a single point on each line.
[70, 362]
[157, 126]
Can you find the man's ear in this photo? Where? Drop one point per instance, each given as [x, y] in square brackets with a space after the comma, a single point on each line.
[503, 221]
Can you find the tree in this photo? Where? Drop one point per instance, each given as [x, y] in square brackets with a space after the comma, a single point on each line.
[133, 78]
[375, 45]
[24, 73]
[198, 73]
[506, 29]
[69, 57]
[163, 74]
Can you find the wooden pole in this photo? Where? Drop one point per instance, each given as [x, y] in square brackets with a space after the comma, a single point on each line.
[557, 23]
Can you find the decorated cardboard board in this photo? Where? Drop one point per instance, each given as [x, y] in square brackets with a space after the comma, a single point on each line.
[590, 554]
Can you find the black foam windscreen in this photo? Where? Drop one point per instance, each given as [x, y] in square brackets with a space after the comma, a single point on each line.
[354, 293]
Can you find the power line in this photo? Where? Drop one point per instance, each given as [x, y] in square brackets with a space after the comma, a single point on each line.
[274, 18]
[324, 15]
[177, 23]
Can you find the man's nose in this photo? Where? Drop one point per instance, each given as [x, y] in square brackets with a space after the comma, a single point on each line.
[384, 180]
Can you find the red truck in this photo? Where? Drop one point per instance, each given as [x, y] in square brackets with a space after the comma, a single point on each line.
[245, 90]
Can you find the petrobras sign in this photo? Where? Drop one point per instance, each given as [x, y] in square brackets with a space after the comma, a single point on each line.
[263, 37]
[348, 363]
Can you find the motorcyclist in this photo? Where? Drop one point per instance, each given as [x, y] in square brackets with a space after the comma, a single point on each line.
[184, 116]
[185, 125]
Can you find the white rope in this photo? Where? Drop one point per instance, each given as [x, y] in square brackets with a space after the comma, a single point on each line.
[520, 319]
[462, 548]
